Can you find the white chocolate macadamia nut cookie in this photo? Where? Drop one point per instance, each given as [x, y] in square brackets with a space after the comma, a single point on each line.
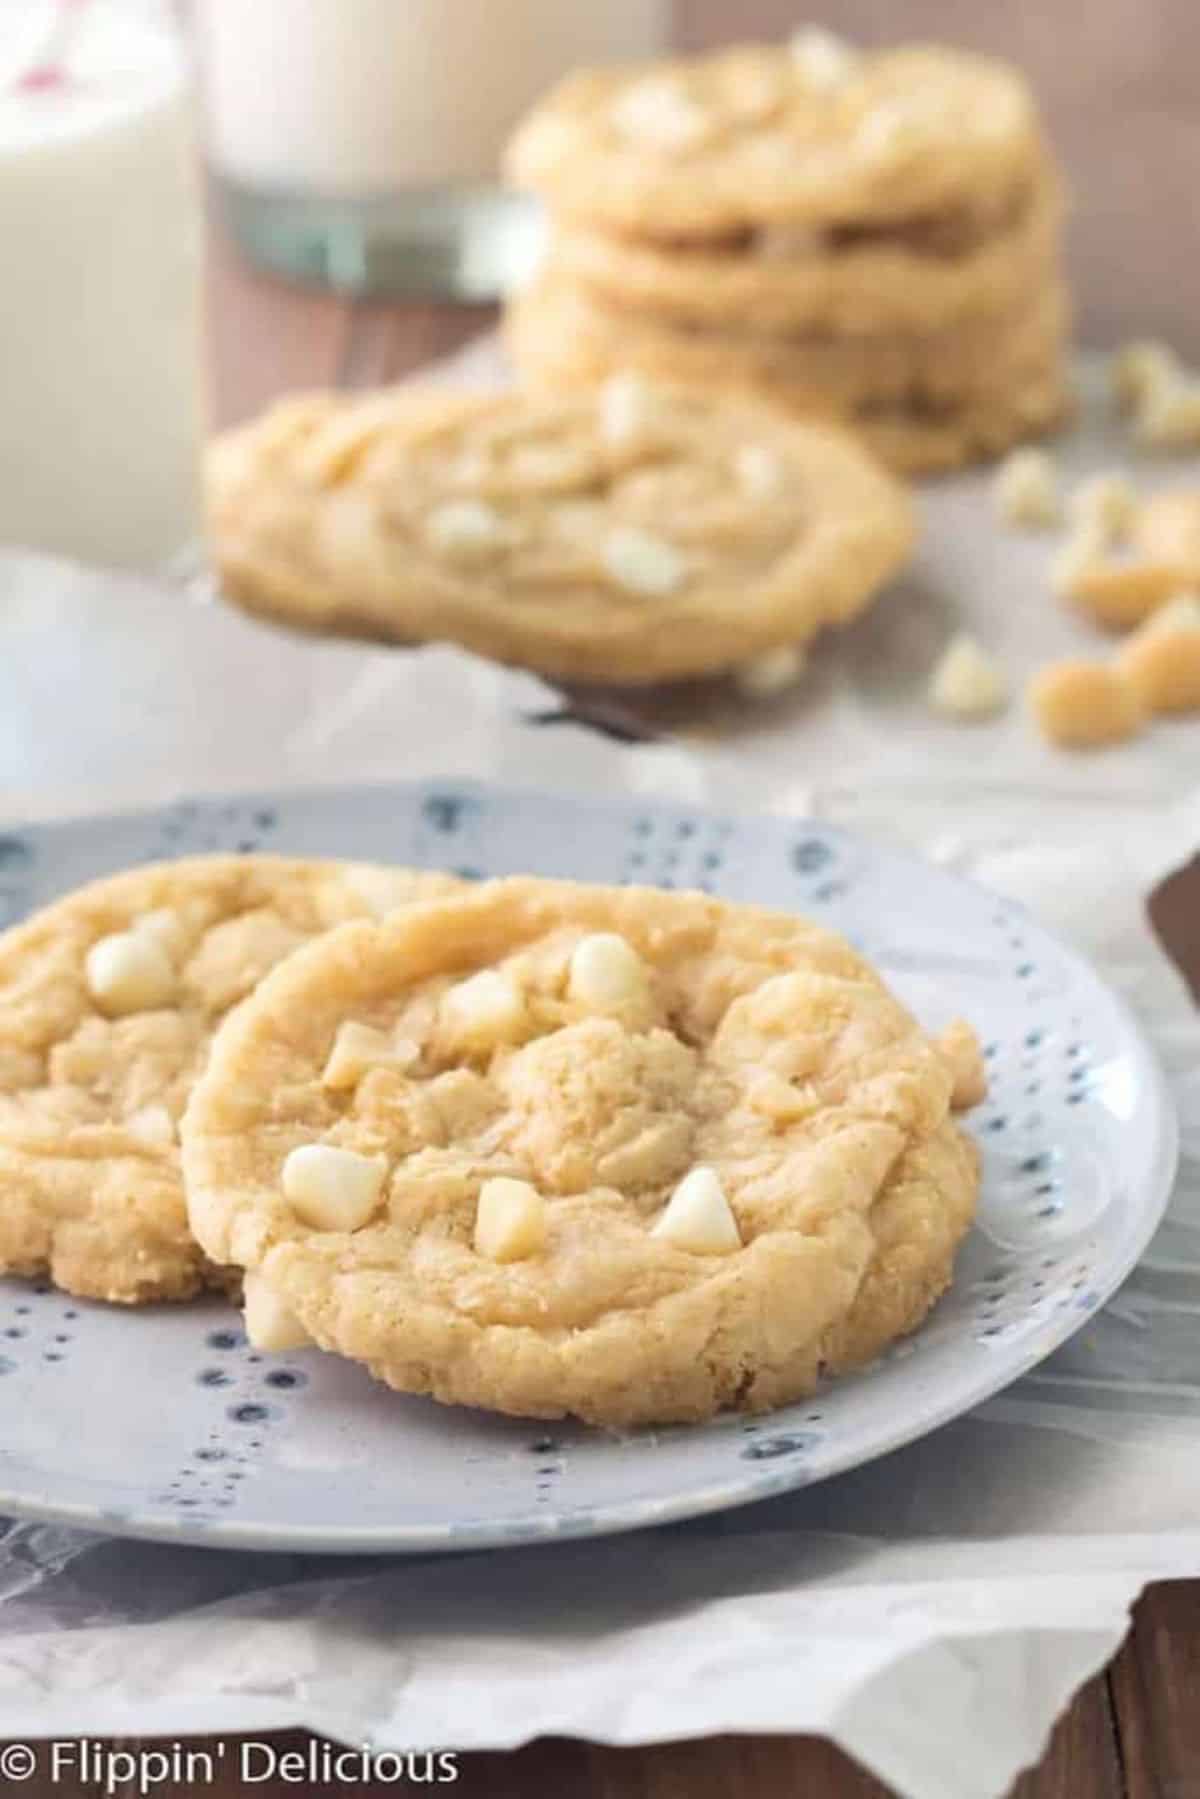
[697, 1157]
[639, 533]
[108, 1001]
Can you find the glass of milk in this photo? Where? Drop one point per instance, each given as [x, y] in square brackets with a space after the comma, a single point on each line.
[357, 142]
[100, 408]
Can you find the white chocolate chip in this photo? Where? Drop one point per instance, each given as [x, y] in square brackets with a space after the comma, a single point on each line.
[510, 1220]
[486, 1009]
[166, 927]
[771, 673]
[465, 530]
[1139, 370]
[642, 563]
[759, 469]
[966, 682]
[270, 1325]
[358, 1047]
[698, 1217]
[824, 60]
[129, 972]
[606, 973]
[152, 1125]
[1025, 489]
[625, 408]
[331, 1188]
[658, 112]
[1103, 506]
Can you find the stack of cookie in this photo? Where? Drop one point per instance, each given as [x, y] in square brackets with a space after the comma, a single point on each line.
[874, 238]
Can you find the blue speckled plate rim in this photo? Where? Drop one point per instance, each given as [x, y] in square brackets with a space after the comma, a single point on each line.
[620, 1516]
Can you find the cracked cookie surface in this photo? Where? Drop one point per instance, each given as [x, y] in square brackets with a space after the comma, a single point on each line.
[586, 1053]
[108, 1001]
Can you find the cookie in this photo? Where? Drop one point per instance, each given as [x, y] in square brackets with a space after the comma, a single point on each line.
[923, 278]
[633, 534]
[628, 1155]
[108, 1000]
[746, 137]
[558, 331]
[912, 435]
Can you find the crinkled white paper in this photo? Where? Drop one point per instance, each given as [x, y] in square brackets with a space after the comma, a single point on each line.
[932, 1612]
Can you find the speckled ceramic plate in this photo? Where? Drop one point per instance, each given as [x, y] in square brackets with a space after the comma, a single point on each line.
[163, 1423]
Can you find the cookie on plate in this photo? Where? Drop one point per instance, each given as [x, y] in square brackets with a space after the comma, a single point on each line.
[638, 534]
[629, 1155]
[108, 1001]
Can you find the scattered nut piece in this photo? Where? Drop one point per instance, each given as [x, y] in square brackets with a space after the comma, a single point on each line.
[485, 1010]
[1141, 369]
[606, 973]
[270, 1324]
[358, 1047]
[465, 530]
[1103, 507]
[510, 1220]
[698, 1217]
[960, 1048]
[641, 563]
[771, 673]
[1161, 662]
[824, 60]
[966, 682]
[1117, 594]
[1084, 704]
[331, 1188]
[1025, 489]
[129, 972]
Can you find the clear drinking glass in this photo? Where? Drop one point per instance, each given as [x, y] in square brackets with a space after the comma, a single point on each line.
[356, 142]
[100, 415]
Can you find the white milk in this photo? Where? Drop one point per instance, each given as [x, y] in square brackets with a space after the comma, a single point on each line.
[352, 97]
[99, 315]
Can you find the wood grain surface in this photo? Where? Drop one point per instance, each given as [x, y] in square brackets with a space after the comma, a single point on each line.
[1121, 89]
